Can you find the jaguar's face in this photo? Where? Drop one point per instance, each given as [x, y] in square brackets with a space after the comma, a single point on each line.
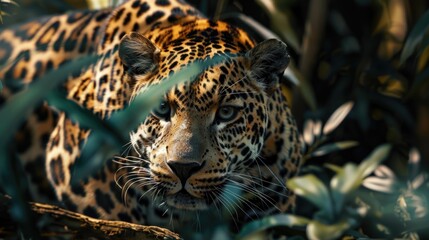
[202, 133]
[209, 128]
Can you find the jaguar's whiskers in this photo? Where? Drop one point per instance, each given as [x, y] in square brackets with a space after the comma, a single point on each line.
[133, 172]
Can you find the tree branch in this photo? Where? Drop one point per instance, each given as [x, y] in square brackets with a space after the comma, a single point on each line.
[62, 222]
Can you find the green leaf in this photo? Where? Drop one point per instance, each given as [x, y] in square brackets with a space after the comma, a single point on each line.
[352, 176]
[150, 97]
[304, 86]
[318, 230]
[19, 106]
[279, 220]
[337, 117]
[420, 83]
[373, 160]
[333, 167]
[343, 183]
[312, 189]
[333, 147]
[85, 117]
[415, 37]
[280, 22]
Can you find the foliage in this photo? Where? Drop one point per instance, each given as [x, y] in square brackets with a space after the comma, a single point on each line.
[368, 57]
[5, 4]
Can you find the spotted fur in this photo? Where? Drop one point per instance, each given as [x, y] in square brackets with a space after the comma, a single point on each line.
[230, 127]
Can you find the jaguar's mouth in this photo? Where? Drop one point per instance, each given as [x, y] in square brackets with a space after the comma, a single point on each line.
[185, 201]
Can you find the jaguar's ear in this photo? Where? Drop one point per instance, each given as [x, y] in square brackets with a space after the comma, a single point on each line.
[138, 54]
[268, 61]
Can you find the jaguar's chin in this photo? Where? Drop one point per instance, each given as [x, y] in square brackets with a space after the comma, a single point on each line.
[184, 201]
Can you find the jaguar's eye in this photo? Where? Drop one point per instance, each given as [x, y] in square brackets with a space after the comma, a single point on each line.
[162, 111]
[226, 113]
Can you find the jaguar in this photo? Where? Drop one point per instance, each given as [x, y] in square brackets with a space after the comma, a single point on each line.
[227, 130]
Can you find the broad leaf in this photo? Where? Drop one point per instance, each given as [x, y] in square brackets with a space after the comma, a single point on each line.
[352, 176]
[312, 189]
[383, 181]
[284, 220]
[335, 168]
[415, 37]
[317, 230]
[373, 160]
[85, 117]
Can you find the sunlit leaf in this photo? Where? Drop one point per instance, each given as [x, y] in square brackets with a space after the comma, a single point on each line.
[308, 131]
[312, 130]
[373, 160]
[414, 163]
[286, 220]
[312, 189]
[337, 117]
[100, 4]
[392, 23]
[9, 2]
[333, 147]
[352, 176]
[412, 235]
[411, 206]
[383, 181]
[414, 156]
[342, 184]
[333, 167]
[415, 37]
[317, 230]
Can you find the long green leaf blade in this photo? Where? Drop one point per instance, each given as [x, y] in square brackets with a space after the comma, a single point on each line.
[415, 37]
[285, 220]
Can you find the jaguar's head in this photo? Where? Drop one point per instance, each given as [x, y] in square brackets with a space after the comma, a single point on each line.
[210, 129]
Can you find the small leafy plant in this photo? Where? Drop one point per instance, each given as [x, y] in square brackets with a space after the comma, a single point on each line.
[338, 212]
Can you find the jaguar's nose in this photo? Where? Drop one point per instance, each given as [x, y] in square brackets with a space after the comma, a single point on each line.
[184, 170]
